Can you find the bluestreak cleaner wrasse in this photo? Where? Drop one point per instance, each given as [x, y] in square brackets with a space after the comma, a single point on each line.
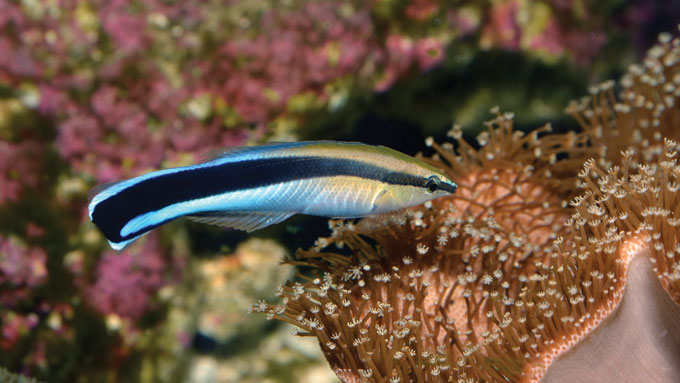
[249, 188]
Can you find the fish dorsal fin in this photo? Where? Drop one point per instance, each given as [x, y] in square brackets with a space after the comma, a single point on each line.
[98, 189]
[215, 154]
[247, 220]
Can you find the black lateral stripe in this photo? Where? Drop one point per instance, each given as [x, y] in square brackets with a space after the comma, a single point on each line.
[111, 214]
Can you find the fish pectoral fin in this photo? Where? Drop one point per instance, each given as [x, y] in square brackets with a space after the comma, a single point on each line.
[382, 198]
[246, 220]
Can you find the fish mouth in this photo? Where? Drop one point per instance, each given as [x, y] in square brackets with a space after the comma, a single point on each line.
[448, 187]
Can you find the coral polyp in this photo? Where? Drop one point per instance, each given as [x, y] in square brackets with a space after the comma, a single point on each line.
[509, 278]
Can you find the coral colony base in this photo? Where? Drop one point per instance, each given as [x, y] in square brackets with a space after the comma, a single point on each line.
[557, 259]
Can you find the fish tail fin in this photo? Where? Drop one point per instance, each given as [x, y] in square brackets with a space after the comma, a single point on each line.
[127, 210]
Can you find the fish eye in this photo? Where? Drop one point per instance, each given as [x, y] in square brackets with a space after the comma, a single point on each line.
[432, 184]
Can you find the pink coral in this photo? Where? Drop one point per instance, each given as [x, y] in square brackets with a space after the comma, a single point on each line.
[22, 269]
[125, 28]
[142, 82]
[298, 51]
[125, 283]
[13, 327]
[19, 168]
[550, 40]
[503, 30]
[420, 10]
[116, 101]
[398, 58]
[429, 52]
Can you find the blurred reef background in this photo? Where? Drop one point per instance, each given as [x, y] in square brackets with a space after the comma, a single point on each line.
[97, 91]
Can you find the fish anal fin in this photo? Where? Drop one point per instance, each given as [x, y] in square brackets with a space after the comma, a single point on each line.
[377, 221]
[248, 220]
